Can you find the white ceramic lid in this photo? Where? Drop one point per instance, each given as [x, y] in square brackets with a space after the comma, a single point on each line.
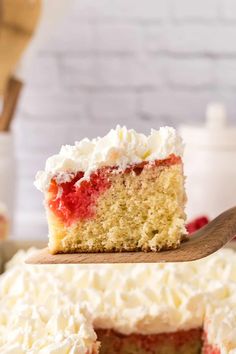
[215, 133]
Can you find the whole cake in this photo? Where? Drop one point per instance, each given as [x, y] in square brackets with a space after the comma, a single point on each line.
[122, 192]
[174, 308]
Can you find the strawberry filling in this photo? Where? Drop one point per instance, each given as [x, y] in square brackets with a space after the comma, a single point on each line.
[71, 202]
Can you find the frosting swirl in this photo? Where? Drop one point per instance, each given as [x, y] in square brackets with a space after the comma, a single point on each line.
[120, 147]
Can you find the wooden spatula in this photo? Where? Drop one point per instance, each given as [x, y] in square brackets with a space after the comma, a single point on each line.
[13, 90]
[202, 243]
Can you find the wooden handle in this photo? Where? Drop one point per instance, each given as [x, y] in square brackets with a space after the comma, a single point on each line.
[10, 103]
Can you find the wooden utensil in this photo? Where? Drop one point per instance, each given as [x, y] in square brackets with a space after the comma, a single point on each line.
[202, 243]
[10, 102]
[18, 21]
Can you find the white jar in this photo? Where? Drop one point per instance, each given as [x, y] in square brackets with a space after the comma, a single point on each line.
[7, 173]
[210, 164]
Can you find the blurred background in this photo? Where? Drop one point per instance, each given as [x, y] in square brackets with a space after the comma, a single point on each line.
[87, 65]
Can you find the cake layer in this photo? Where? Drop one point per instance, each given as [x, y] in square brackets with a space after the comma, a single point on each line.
[71, 201]
[180, 342]
[141, 208]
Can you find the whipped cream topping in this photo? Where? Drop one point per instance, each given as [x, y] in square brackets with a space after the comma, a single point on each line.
[121, 147]
[40, 306]
[36, 317]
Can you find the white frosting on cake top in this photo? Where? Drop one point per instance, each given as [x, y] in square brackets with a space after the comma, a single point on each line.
[36, 316]
[138, 298]
[120, 147]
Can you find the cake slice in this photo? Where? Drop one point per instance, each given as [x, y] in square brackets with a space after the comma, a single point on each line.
[122, 192]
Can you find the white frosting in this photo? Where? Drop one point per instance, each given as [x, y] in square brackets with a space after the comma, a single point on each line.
[120, 147]
[37, 318]
[40, 305]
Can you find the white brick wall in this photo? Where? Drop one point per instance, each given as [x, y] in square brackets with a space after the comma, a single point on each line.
[134, 62]
[195, 10]
[195, 73]
[229, 10]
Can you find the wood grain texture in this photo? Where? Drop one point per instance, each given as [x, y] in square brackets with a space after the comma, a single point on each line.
[201, 244]
[18, 21]
[11, 97]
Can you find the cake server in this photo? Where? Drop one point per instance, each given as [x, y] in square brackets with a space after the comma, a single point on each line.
[200, 244]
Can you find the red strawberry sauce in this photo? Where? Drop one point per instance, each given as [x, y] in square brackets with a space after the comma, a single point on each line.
[71, 202]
